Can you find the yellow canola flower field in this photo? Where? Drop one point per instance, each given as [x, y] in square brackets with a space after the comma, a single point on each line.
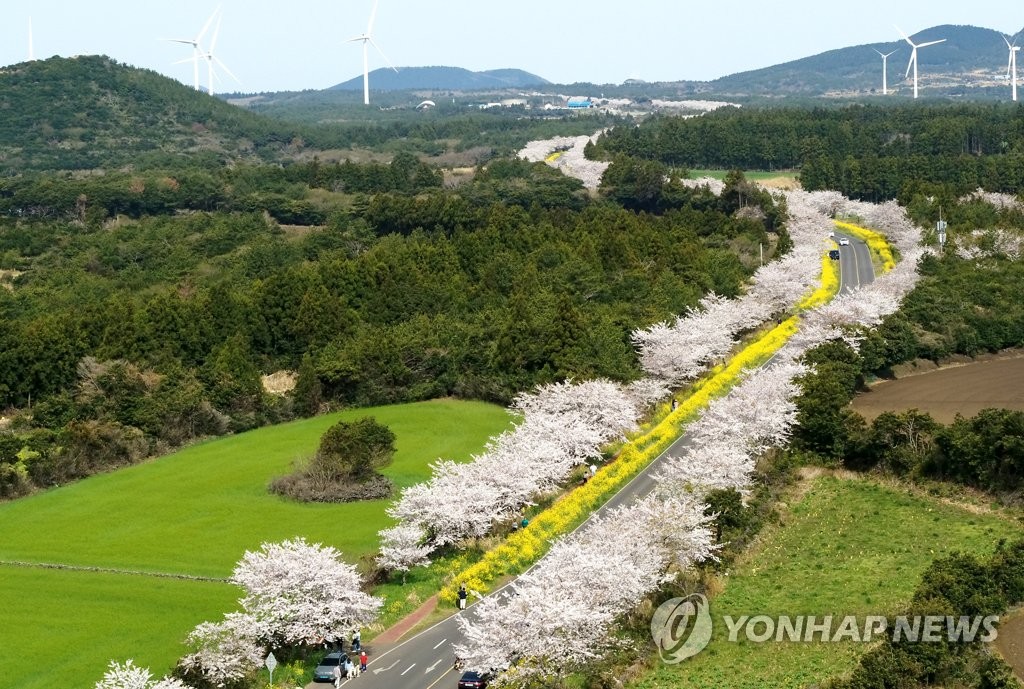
[877, 243]
[529, 544]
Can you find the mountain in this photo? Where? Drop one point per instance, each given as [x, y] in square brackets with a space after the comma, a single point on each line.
[443, 78]
[971, 57]
[92, 112]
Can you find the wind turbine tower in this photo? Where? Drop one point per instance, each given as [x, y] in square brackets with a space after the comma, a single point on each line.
[196, 52]
[885, 56]
[913, 55]
[367, 38]
[1011, 67]
[211, 58]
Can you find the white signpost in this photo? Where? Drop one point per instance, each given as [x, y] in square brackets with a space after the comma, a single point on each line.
[940, 228]
[271, 663]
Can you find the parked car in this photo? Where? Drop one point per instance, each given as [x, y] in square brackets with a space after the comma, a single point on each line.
[844, 242]
[471, 679]
[324, 672]
[834, 254]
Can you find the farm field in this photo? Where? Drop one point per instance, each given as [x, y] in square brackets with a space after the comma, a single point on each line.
[848, 546]
[944, 393]
[193, 513]
[753, 175]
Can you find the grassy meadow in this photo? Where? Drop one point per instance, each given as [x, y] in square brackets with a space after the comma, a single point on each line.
[752, 175]
[845, 547]
[194, 512]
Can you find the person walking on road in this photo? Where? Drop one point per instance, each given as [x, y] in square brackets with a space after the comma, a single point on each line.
[337, 675]
[462, 596]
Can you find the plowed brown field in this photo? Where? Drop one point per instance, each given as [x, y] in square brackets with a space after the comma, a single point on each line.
[946, 392]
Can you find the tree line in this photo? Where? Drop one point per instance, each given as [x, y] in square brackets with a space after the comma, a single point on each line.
[126, 337]
[869, 152]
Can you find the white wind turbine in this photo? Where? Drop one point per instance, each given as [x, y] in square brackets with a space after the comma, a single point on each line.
[913, 55]
[885, 56]
[366, 39]
[196, 52]
[1011, 67]
[211, 58]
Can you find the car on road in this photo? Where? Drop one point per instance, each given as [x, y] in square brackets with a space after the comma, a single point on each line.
[471, 679]
[844, 242]
[834, 254]
[324, 672]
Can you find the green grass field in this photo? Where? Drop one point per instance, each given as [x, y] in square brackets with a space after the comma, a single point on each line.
[847, 547]
[194, 512]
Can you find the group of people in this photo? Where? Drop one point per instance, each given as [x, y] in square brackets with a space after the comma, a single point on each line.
[346, 669]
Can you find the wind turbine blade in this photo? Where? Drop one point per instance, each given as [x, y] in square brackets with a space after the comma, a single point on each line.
[880, 54]
[206, 26]
[1007, 42]
[225, 68]
[187, 59]
[913, 56]
[374, 44]
[941, 40]
[186, 41]
[216, 32]
[357, 38]
[373, 15]
[905, 36]
[892, 53]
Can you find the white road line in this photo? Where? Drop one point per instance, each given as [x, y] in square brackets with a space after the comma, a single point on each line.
[407, 669]
[439, 643]
[385, 669]
[431, 668]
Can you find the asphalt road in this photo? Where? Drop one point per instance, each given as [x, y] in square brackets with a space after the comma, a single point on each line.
[855, 266]
[425, 660]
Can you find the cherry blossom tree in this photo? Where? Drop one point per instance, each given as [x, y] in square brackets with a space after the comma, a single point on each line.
[225, 651]
[403, 547]
[129, 676]
[301, 592]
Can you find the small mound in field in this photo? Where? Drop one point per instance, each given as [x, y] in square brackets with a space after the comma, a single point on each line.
[305, 488]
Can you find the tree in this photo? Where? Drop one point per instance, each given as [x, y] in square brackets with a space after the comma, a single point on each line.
[354, 449]
[308, 392]
[298, 593]
[129, 676]
[402, 548]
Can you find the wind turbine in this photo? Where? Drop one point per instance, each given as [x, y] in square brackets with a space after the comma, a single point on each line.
[31, 52]
[367, 38]
[885, 56]
[1011, 67]
[196, 53]
[913, 55]
[211, 58]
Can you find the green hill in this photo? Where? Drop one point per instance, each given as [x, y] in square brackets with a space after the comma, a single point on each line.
[446, 78]
[93, 112]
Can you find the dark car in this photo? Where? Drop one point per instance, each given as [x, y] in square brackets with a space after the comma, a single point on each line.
[324, 672]
[471, 679]
[834, 254]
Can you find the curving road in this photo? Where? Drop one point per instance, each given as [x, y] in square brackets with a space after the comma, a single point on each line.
[425, 660]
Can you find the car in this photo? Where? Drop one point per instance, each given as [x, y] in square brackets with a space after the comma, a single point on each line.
[834, 254]
[471, 679]
[324, 672]
[844, 242]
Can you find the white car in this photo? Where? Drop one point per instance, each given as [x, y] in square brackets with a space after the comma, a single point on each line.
[844, 242]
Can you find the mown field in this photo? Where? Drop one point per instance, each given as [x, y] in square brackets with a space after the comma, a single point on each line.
[194, 513]
[846, 547]
[946, 392]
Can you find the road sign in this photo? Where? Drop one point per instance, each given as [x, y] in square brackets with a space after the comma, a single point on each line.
[271, 663]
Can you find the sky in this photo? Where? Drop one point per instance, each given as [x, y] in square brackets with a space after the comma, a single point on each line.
[272, 45]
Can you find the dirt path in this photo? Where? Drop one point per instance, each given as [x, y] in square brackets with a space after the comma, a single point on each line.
[945, 392]
[1010, 641]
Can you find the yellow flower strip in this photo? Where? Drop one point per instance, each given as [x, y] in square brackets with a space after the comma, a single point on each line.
[529, 544]
[876, 242]
[554, 156]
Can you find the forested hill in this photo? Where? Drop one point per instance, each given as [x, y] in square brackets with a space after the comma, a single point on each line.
[970, 57]
[453, 78]
[93, 112]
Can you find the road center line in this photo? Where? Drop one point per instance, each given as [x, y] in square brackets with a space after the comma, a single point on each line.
[407, 669]
[439, 643]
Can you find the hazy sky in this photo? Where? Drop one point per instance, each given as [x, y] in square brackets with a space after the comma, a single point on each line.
[300, 44]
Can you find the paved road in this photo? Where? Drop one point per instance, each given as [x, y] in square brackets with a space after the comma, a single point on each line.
[854, 263]
[425, 660]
